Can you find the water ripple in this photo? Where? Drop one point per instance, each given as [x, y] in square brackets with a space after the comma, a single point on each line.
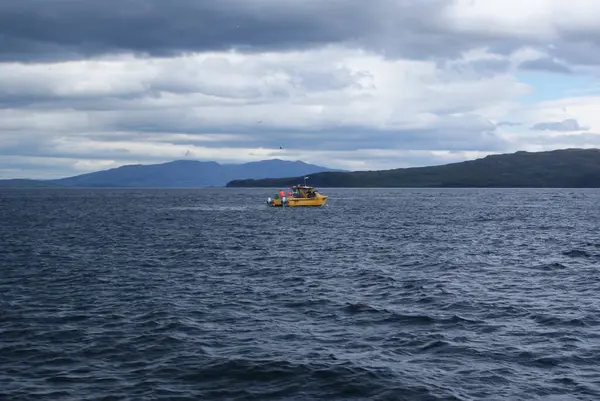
[207, 294]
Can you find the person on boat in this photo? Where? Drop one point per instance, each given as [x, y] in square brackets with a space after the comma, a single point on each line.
[282, 197]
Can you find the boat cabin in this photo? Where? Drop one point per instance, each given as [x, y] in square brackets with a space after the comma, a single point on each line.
[303, 191]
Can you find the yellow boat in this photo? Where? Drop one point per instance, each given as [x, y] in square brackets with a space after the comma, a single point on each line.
[299, 196]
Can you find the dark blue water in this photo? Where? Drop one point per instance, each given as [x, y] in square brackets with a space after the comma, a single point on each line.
[382, 295]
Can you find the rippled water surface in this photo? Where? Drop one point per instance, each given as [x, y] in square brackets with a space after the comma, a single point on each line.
[396, 294]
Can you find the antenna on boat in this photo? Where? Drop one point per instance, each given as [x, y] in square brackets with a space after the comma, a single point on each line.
[305, 178]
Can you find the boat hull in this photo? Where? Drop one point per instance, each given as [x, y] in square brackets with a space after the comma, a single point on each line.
[298, 196]
[301, 202]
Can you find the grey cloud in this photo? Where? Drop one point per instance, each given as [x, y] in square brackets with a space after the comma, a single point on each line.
[345, 138]
[339, 138]
[85, 102]
[569, 124]
[479, 68]
[315, 80]
[219, 82]
[580, 46]
[545, 64]
[508, 123]
[63, 29]
[449, 132]
[32, 145]
[304, 78]
[490, 67]
[31, 28]
[34, 30]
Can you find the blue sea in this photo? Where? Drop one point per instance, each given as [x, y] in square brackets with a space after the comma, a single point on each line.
[383, 294]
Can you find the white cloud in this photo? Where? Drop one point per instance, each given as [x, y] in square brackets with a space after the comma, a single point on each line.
[127, 107]
[583, 109]
[541, 21]
[531, 19]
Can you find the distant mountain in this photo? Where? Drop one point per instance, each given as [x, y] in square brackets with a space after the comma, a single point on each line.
[189, 174]
[25, 183]
[567, 168]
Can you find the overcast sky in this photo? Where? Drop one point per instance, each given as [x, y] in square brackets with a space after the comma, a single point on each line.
[88, 85]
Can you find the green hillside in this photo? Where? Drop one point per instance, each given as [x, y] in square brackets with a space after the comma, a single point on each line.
[568, 168]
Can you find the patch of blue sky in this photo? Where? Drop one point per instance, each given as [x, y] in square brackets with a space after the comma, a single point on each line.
[547, 86]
